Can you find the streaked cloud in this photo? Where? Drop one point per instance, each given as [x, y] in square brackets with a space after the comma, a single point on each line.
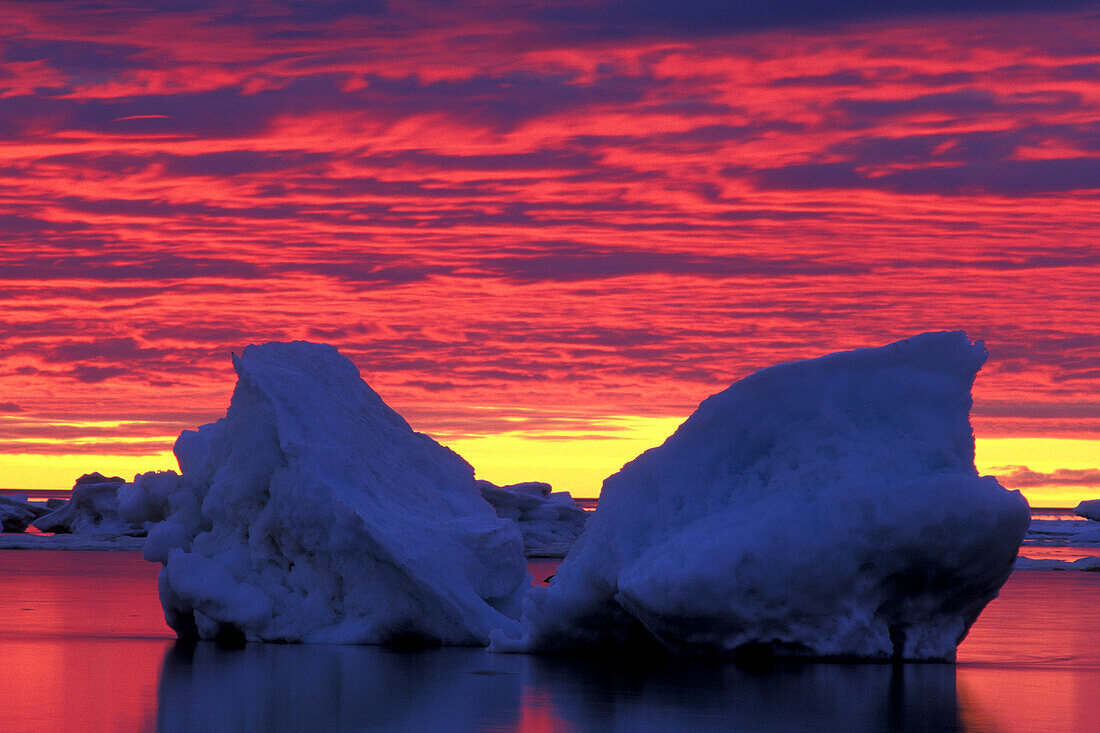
[1023, 477]
[501, 211]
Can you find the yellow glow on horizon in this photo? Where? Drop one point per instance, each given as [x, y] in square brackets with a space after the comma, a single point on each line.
[577, 464]
[1038, 454]
[580, 466]
[1043, 455]
[37, 471]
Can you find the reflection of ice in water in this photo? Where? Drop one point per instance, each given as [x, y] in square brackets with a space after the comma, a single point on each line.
[268, 687]
[312, 687]
[1030, 663]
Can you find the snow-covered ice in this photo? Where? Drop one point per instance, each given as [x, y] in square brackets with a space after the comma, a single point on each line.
[103, 511]
[92, 510]
[550, 520]
[827, 507]
[1089, 509]
[145, 502]
[313, 512]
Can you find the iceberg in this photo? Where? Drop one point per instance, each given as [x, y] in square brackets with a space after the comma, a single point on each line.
[1089, 509]
[313, 512]
[550, 520]
[821, 508]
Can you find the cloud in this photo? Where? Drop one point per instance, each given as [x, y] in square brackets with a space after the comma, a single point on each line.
[508, 213]
[1037, 410]
[962, 103]
[74, 57]
[86, 447]
[142, 265]
[120, 350]
[1009, 178]
[1022, 477]
[89, 374]
[567, 262]
[620, 19]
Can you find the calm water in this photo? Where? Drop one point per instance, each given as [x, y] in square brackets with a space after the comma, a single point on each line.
[83, 648]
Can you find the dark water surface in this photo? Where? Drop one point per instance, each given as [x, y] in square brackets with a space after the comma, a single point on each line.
[83, 647]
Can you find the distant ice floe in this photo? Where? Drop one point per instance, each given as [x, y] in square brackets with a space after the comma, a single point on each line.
[313, 512]
[89, 521]
[1089, 509]
[550, 520]
[1068, 535]
[104, 513]
[16, 513]
[825, 508]
[104, 508]
[1063, 533]
[92, 510]
[1084, 563]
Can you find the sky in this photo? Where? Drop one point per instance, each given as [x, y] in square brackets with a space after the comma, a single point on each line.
[544, 231]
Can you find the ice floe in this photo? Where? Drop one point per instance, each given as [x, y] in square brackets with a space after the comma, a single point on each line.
[1089, 509]
[92, 510]
[16, 513]
[827, 508]
[1063, 533]
[1083, 563]
[550, 520]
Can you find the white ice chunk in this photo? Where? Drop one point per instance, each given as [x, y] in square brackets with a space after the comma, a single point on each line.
[1089, 509]
[313, 512]
[827, 507]
[550, 521]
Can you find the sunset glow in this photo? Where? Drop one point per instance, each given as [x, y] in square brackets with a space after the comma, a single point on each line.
[546, 233]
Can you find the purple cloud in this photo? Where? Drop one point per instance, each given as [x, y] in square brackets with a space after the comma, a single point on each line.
[1021, 477]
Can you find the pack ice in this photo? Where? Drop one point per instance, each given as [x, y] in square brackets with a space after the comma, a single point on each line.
[92, 510]
[550, 521]
[313, 512]
[825, 508]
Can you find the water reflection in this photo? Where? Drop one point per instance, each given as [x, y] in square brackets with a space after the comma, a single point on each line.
[297, 687]
[82, 641]
[272, 687]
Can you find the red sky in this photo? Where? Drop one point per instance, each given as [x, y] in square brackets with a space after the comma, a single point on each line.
[543, 231]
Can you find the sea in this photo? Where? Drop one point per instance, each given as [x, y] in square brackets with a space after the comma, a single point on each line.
[84, 647]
